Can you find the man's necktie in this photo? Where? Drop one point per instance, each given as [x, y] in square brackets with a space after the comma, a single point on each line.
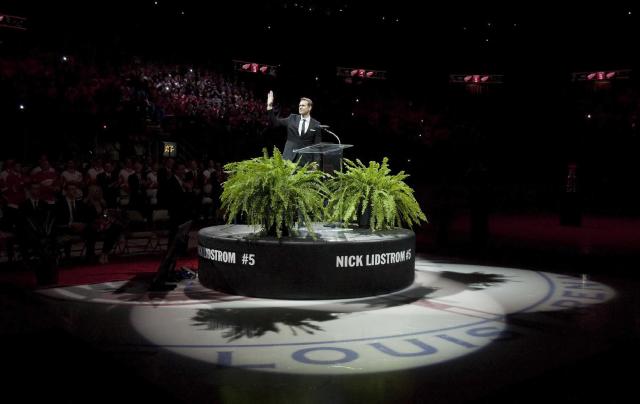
[302, 129]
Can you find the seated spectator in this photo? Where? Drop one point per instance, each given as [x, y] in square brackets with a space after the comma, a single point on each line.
[47, 177]
[73, 218]
[34, 206]
[136, 186]
[123, 176]
[109, 183]
[152, 184]
[34, 215]
[93, 172]
[209, 170]
[71, 175]
[13, 193]
[195, 176]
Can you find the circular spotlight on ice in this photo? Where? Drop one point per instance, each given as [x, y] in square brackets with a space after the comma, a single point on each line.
[410, 328]
[450, 311]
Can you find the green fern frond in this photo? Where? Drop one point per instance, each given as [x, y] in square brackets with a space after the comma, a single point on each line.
[361, 187]
[274, 193]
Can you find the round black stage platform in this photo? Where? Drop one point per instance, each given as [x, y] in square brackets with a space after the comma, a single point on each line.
[340, 263]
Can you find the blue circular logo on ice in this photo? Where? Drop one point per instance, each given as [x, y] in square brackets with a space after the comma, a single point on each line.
[451, 310]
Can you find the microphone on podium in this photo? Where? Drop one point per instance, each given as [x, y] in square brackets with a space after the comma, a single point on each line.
[327, 130]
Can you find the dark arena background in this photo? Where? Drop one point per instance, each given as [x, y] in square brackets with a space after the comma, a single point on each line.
[518, 125]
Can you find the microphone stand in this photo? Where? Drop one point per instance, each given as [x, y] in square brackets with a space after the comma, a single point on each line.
[324, 127]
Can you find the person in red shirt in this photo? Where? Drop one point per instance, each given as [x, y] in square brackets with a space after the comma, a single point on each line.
[48, 179]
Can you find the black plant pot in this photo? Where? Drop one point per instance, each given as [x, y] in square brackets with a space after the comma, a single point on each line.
[272, 231]
[364, 219]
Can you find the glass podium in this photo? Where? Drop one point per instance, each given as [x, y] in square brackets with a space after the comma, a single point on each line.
[330, 154]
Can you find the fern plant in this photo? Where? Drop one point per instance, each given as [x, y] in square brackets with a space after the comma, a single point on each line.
[274, 193]
[359, 188]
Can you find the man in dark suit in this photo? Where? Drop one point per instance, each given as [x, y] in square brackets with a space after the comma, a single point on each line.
[137, 191]
[36, 217]
[34, 207]
[72, 219]
[108, 181]
[180, 200]
[302, 130]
